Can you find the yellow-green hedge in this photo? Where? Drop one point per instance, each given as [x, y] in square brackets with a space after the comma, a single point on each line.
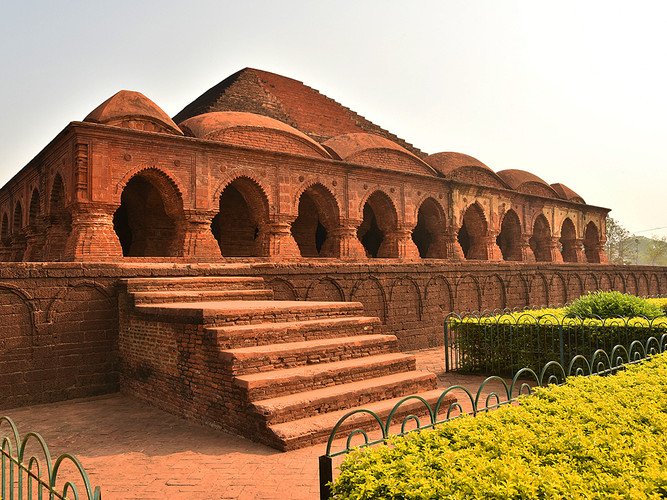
[594, 437]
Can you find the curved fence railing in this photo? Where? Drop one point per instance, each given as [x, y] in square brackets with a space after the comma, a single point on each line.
[365, 428]
[502, 343]
[26, 475]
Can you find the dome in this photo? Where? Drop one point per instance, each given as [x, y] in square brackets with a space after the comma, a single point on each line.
[448, 162]
[566, 193]
[133, 110]
[374, 150]
[251, 130]
[526, 182]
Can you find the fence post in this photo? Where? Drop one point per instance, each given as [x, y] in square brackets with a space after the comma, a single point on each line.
[326, 476]
[446, 346]
[562, 347]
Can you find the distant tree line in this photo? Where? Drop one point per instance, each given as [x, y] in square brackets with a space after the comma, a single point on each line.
[625, 248]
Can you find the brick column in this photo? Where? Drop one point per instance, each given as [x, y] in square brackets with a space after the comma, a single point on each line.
[92, 236]
[35, 240]
[573, 250]
[199, 242]
[527, 254]
[18, 246]
[453, 250]
[493, 251]
[398, 244]
[343, 242]
[556, 256]
[598, 252]
[275, 238]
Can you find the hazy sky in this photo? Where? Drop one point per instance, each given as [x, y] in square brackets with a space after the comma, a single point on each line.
[573, 91]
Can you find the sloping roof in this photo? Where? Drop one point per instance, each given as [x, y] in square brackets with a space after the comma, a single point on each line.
[566, 193]
[289, 101]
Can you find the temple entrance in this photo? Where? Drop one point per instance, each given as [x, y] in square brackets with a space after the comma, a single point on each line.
[379, 218]
[540, 240]
[238, 225]
[318, 217]
[146, 221]
[429, 229]
[509, 239]
[470, 235]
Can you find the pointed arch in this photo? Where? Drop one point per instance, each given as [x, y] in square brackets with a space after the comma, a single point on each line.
[541, 238]
[34, 210]
[472, 231]
[568, 241]
[380, 217]
[429, 229]
[318, 217]
[240, 225]
[509, 238]
[150, 219]
[592, 243]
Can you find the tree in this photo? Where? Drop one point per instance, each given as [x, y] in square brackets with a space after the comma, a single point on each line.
[620, 245]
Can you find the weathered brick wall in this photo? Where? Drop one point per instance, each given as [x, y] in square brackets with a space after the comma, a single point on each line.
[59, 321]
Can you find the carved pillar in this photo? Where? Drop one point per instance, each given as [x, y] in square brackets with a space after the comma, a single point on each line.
[453, 250]
[493, 251]
[343, 242]
[598, 253]
[437, 249]
[398, 244]
[573, 250]
[18, 246]
[92, 236]
[527, 254]
[199, 242]
[275, 238]
[554, 252]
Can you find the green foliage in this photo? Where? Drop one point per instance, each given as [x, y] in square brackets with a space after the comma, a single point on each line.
[612, 305]
[594, 437]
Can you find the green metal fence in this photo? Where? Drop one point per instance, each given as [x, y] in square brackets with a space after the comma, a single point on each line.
[24, 475]
[503, 344]
[364, 421]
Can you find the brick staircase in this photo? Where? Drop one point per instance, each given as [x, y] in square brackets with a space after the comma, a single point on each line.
[284, 372]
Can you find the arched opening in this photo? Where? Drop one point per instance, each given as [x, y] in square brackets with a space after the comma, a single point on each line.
[318, 217]
[509, 239]
[470, 236]
[592, 243]
[33, 212]
[147, 220]
[4, 231]
[18, 236]
[238, 225]
[59, 222]
[568, 241]
[379, 218]
[17, 223]
[540, 240]
[429, 229]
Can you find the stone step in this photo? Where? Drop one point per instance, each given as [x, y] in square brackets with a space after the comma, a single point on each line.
[317, 429]
[276, 383]
[340, 397]
[193, 283]
[244, 312]
[162, 296]
[256, 359]
[232, 337]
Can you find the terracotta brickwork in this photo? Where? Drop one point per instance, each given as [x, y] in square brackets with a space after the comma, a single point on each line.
[59, 324]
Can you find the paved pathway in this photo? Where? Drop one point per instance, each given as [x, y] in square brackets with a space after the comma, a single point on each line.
[135, 451]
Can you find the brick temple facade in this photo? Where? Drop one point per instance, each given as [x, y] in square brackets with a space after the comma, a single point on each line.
[184, 260]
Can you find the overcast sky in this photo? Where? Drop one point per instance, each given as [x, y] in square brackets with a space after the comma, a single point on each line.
[573, 91]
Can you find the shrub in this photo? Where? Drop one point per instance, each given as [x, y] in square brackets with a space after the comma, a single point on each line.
[611, 305]
[593, 437]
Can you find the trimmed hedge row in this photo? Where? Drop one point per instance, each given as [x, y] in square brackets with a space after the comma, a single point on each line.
[593, 437]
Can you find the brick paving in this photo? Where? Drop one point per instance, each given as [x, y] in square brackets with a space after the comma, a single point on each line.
[134, 451]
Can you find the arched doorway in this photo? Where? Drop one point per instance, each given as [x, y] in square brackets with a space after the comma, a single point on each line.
[18, 234]
[568, 241]
[592, 243]
[318, 217]
[379, 219]
[470, 236]
[509, 239]
[429, 231]
[239, 224]
[541, 239]
[149, 221]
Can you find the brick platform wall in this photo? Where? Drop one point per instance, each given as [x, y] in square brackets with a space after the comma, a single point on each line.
[59, 321]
